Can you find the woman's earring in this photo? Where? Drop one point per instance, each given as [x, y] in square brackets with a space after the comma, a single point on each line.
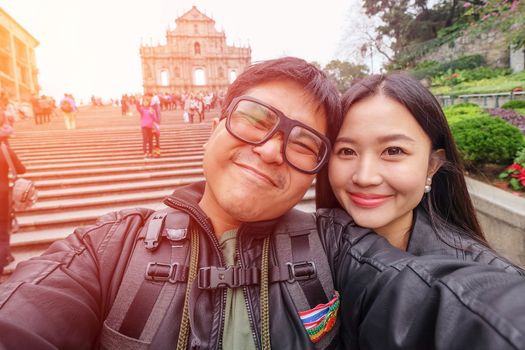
[427, 186]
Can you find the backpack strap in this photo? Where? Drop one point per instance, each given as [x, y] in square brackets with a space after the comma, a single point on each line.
[301, 250]
[298, 245]
[304, 261]
[153, 274]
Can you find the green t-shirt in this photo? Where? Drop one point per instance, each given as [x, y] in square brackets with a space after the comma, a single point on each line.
[237, 332]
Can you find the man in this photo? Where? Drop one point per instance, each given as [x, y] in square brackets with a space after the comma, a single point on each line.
[106, 285]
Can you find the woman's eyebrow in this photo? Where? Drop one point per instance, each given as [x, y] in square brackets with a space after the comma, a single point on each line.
[386, 138]
[396, 137]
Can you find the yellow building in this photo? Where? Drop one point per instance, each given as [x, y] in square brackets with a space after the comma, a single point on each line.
[18, 72]
[195, 58]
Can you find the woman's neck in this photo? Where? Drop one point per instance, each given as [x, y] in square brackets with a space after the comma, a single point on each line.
[397, 232]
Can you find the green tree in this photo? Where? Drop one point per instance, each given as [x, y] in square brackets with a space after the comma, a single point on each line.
[406, 23]
[343, 72]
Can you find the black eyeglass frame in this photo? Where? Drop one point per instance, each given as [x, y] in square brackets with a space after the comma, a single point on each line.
[284, 125]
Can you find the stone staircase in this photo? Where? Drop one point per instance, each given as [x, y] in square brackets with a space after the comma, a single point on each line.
[99, 167]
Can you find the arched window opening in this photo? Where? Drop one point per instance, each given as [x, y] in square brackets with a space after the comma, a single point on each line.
[164, 78]
[199, 77]
[197, 48]
[233, 75]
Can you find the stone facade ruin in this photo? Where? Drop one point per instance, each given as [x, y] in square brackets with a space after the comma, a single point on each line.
[195, 57]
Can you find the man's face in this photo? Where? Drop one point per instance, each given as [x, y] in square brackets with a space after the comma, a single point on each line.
[246, 183]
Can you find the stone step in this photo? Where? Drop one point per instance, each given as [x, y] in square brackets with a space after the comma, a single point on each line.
[127, 161]
[115, 179]
[77, 217]
[143, 166]
[65, 205]
[130, 155]
[124, 187]
[86, 152]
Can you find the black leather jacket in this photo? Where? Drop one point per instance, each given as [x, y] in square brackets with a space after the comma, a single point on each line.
[424, 241]
[392, 300]
[61, 299]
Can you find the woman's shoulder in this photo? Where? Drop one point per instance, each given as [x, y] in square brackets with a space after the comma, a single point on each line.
[451, 241]
[476, 251]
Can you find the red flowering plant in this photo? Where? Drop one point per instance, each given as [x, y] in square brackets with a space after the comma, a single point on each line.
[515, 176]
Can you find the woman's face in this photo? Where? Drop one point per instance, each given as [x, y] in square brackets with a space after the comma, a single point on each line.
[380, 164]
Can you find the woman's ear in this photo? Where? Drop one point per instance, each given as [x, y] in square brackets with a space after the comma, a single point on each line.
[437, 158]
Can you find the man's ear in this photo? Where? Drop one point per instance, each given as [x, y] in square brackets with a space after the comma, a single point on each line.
[214, 123]
[437, 158]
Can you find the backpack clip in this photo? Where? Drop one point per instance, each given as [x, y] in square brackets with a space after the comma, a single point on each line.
[161, 272]
[232, 277]
[153, 233]
[300, 271]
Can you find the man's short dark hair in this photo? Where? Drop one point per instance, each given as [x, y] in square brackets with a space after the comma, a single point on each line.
[314, 81]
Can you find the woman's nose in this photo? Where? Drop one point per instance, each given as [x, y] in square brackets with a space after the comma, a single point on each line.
[367, 173]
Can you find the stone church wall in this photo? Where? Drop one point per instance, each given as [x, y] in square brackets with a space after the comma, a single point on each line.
[490, 45]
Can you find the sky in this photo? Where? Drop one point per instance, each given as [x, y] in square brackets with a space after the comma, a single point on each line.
[92, 47]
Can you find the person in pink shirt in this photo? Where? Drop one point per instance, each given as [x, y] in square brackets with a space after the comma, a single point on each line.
[148, 119]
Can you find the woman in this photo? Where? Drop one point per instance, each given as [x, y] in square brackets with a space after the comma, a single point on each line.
[148, 118]
[396, 170]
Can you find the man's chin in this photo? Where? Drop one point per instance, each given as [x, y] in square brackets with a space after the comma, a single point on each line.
[250, 213]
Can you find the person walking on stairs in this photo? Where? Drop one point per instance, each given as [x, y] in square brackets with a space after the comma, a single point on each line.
[148, 118]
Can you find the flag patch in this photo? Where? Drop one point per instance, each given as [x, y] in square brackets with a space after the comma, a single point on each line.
[321, 319]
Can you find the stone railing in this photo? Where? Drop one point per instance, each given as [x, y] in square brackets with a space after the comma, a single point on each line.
[492, 100]
[502, 217]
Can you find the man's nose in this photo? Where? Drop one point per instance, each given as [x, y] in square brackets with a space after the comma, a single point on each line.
[272, 150]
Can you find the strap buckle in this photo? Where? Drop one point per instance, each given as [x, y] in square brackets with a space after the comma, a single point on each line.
[300, 271]
[212, 277]
[161, 272]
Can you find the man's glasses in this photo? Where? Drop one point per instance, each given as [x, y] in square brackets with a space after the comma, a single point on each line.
[255, 122]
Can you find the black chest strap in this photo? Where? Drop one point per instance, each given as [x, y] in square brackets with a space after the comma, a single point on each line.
[168, 266]
[302, 255]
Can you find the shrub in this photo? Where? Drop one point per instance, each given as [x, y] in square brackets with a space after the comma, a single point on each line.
[520, 111]
[520, 157]
[462, 111]
[426, 69]
[454, 77]
[514, 104]
[484, 139]
[510, 116]
[464, 62]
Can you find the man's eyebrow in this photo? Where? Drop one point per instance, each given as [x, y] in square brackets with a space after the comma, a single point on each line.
[386, 138]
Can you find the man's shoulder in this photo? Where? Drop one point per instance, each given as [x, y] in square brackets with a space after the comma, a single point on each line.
[295, 220]
[114, 226]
